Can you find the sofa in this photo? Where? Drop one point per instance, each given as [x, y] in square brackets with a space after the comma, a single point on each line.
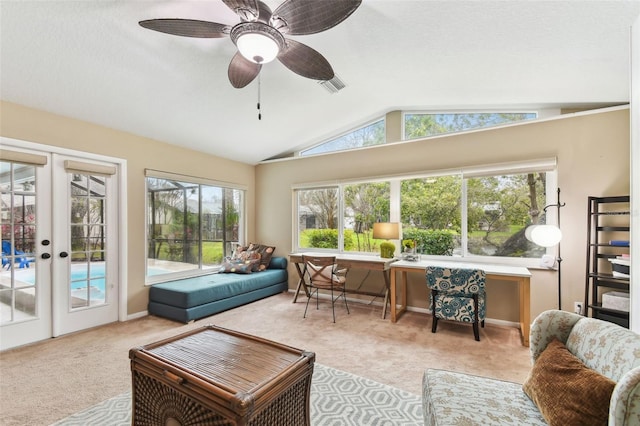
[193, 298]
[554, 392]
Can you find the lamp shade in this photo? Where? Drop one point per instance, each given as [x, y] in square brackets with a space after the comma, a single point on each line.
[545, 235]
[386, 230]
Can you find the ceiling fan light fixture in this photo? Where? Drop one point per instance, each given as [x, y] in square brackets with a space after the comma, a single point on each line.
[257, 42]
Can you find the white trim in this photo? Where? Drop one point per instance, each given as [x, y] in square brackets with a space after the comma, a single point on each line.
[634, 284]
[193, 179]
[122, 212]
[136, 315]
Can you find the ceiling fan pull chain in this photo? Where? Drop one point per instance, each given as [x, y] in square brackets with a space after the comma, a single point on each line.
[259, 112]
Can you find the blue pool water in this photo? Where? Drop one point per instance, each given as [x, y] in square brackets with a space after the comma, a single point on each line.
[79, 281]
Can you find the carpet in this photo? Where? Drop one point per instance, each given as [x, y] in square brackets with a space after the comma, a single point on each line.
[337, 398]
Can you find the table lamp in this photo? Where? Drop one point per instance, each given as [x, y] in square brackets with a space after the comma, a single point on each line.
[386, 231]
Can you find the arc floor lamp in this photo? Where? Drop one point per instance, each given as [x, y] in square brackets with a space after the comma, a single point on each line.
[548, 236]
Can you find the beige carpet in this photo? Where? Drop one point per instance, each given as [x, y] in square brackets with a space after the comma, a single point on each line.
[48, 381]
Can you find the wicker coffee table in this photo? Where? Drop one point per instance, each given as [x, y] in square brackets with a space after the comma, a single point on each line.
[216, 376]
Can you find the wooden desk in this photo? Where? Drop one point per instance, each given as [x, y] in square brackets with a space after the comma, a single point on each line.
[519, 274]
[356, 261]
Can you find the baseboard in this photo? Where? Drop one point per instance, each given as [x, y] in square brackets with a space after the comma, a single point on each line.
[419, 310]
[137, 315]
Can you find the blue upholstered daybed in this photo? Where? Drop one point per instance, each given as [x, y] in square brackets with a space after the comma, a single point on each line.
[190, 299]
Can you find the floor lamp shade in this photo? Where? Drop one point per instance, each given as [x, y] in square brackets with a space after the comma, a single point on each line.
[546, 235]
[386, 230]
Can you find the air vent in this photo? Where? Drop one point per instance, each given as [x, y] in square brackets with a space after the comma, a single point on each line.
[334, 85]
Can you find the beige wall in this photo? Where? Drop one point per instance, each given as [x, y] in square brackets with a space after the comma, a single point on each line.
[592, 152]
[593, 159]
[31, 125]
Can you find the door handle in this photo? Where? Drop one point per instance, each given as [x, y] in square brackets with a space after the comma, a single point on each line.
[45, 255]
[64, 254]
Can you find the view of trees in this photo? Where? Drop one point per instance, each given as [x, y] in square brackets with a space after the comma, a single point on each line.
[498, 208]
[372, 134]
[422, 125]
[190, 223]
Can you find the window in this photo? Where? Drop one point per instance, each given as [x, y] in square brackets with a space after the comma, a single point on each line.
[431, 213]
[474, 212]
[318, 218]
[369, 135]
[420, 125]
[364, 205]
[191, 226]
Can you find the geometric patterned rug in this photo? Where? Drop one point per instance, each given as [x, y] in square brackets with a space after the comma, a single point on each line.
[337, 398]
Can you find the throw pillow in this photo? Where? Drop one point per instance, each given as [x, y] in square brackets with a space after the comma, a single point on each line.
[246, 255]
[239, 266]
[238, 251]
[266, 252]
[566, 391]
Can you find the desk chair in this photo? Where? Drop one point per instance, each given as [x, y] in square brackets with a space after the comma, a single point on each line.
[322, 273]
[457, 294]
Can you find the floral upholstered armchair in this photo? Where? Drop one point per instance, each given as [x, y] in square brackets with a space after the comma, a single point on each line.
[584, 371]
[457, 294]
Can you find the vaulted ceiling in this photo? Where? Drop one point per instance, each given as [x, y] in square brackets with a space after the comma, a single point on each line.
[91, 60]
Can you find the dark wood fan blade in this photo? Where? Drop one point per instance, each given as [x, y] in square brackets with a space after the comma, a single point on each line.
[247, 10]
[242, 71]
[305, 61]
[187, 27]
[299, 17]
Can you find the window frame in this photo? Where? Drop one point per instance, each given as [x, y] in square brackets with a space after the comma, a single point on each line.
[242, 222]
[546, 165]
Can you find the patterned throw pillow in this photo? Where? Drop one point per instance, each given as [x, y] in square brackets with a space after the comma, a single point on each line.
[566, 391]
[247, 253]
[266, 252]
[239, 266]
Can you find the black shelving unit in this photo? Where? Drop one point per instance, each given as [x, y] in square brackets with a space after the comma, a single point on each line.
[608, 219]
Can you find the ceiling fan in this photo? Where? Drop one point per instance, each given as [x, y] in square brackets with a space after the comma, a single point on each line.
[260, 35]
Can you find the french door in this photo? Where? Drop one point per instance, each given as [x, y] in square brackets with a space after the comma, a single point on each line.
[60, 237]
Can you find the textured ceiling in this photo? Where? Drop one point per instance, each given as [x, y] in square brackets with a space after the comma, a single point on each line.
[91, 60]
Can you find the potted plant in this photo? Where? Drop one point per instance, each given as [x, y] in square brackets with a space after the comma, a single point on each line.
[409, 246]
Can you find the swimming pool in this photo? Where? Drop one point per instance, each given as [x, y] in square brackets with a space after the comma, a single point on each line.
[82, 284]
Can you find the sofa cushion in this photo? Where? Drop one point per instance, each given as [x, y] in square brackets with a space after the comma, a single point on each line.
[451, 398]
[190, 292]
[566, 391]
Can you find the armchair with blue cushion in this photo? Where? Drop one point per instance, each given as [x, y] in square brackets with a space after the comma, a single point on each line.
[457, 294]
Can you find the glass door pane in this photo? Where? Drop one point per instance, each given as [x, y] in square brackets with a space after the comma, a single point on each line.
[88, 241]
[18, 287]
